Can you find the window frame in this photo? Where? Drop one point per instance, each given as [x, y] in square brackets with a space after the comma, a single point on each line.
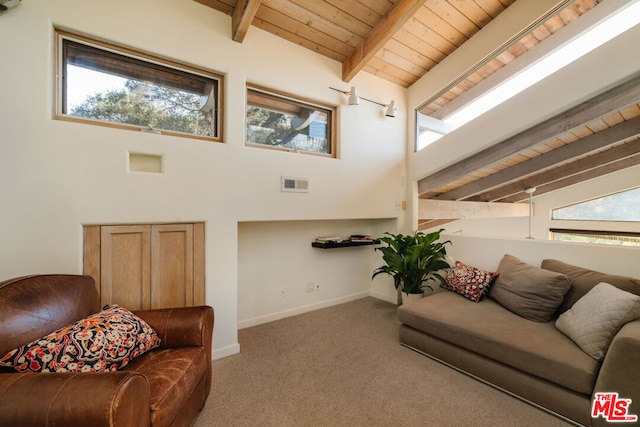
[280, 96]
[606, 235]
[154, 62]
[607, 229]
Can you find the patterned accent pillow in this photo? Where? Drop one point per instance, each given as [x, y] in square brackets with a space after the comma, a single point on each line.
[470, 282]
[105, 341]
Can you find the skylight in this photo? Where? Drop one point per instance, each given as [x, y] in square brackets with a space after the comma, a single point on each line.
[615, 24]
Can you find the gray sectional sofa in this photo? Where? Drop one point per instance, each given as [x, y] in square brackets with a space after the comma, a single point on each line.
[502, 340]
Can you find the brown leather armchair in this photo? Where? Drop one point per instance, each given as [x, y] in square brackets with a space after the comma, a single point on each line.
[167, 386]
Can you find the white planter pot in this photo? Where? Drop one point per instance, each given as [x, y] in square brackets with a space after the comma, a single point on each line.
[411, 297]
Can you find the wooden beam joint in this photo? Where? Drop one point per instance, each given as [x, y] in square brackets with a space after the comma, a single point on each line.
[242, 18]
[380, 34]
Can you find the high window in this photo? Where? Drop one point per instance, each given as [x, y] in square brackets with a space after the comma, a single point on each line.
[283, 122]
[102, 83]
[612, 219]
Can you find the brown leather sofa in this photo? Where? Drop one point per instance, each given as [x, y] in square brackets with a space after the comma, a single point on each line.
[167, 386]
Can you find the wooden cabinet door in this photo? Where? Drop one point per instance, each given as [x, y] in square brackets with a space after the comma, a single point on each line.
[146, 266]
[125, 266]
[172, 265]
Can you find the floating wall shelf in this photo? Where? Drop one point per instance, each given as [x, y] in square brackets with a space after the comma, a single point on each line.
[344, 244]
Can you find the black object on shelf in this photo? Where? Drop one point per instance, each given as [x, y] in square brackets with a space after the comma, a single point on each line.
[345, 244]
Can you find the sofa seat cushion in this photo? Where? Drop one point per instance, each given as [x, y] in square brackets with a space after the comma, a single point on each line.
[488, 329]
[173, 375]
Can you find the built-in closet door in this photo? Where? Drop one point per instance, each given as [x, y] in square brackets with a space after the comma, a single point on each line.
[172, 278]
[125, 266]
[148, 265]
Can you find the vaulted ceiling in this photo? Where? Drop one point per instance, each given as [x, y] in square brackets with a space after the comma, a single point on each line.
[401, 40]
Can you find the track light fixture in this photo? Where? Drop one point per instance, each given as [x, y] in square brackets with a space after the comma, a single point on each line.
[8, 4]
[354, 99]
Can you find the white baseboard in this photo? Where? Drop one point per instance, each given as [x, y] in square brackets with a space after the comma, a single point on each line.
[299, 310]
[393, 299]
[221, 353]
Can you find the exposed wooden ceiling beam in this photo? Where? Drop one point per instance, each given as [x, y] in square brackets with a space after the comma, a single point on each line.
[384, 30]
[583, 176]
[571, 173]
[602, 139]
[431, 223]
[614, 99]
[242, 17]
[444, 209]
[217, 5]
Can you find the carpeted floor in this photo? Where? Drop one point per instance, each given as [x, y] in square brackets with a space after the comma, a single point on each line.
[343, 366]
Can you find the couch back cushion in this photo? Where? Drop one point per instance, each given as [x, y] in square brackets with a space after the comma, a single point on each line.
[528, 291]
[583, 280]
[34, 306]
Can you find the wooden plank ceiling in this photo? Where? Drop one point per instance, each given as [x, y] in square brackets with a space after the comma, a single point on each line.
[397, 40]
[401, 40]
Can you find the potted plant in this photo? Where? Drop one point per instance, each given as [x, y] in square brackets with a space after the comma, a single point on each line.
[413, 260]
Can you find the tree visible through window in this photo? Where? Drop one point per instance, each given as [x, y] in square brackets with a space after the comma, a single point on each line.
[282, 122]
[624, 206]
[592, 221]
[101, 83]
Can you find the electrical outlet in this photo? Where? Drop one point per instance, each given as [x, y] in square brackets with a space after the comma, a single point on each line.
[310, 287]
[283, 292]
[398, 205]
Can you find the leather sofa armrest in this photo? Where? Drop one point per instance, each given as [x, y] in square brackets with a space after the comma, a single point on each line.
[74, 399]
[619, 371]
[181, 327]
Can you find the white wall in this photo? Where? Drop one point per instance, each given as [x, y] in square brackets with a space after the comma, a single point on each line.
[57, 176]
[278, 256]
[486, 253]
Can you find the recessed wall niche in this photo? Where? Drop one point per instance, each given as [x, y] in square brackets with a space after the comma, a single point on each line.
[149, 163]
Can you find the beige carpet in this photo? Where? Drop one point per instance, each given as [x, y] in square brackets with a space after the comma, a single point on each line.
[343, 366]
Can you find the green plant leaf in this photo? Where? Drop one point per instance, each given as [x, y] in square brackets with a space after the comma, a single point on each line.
[413, 260]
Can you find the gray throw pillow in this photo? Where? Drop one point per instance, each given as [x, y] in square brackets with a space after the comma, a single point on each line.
[528, 291]
[597, 317]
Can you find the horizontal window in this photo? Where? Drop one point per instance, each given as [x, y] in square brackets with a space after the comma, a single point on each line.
[283, 122]
[622, 206]
[105, 84]
[598, 237]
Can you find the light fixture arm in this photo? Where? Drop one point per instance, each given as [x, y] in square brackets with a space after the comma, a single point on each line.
[354, 99]
[374, 102]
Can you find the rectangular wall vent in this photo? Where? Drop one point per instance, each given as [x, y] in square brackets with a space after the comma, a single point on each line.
[295, 184]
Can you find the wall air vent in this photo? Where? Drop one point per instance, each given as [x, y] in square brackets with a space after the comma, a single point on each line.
[294, 184]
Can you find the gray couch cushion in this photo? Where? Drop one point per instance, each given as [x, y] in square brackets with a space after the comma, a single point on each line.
[583, 279]
[489, 329]
[529, 291]
[595, 318]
